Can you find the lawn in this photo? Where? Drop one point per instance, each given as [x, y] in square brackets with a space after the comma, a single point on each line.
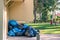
[46, 28]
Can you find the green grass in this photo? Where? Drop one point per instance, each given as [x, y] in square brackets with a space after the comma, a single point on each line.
[46, 28]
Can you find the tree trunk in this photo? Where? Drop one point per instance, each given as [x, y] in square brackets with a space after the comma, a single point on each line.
[40, 16]
[54, 20]
[35, 8]
[34, 15]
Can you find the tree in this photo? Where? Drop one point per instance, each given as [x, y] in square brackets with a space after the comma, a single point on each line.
[35, 9]
[40, 8]
[53, 6]
[47, 5]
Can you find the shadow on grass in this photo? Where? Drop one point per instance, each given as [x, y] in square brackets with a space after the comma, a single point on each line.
[47, 26]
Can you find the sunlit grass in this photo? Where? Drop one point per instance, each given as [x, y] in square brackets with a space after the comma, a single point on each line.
[50, 31]
[46, 28]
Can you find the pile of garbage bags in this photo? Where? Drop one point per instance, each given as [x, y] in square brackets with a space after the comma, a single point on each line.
[16, 29]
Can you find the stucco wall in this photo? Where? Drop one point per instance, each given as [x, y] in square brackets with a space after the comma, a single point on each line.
[22, 11]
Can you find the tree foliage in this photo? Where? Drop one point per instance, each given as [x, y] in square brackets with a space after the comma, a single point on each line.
[46, 5]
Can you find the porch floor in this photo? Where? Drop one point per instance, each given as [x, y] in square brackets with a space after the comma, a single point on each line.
[42, 37]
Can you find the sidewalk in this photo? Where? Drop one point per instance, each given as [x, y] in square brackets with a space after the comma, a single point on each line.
[42, 37]
[50, 37]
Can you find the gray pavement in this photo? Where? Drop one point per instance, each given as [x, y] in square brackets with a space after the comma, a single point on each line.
[42, 37]
[50, 37]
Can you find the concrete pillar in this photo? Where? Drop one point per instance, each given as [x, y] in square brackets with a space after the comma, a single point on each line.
[38, 35]
[1, 19]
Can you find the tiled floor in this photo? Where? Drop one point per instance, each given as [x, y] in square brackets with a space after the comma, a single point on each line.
[42, 37]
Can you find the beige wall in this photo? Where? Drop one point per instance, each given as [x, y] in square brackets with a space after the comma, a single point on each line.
[22, 11]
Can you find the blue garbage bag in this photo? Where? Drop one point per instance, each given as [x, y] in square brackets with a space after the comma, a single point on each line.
[25, 29]
[16, 29]
[25, 26]
[11, 33]
[12, 23]
[34, 32]
[21, 33]
[31, 32]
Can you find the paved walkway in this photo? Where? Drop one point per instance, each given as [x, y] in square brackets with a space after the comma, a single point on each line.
[50, 37]
[42, 37]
